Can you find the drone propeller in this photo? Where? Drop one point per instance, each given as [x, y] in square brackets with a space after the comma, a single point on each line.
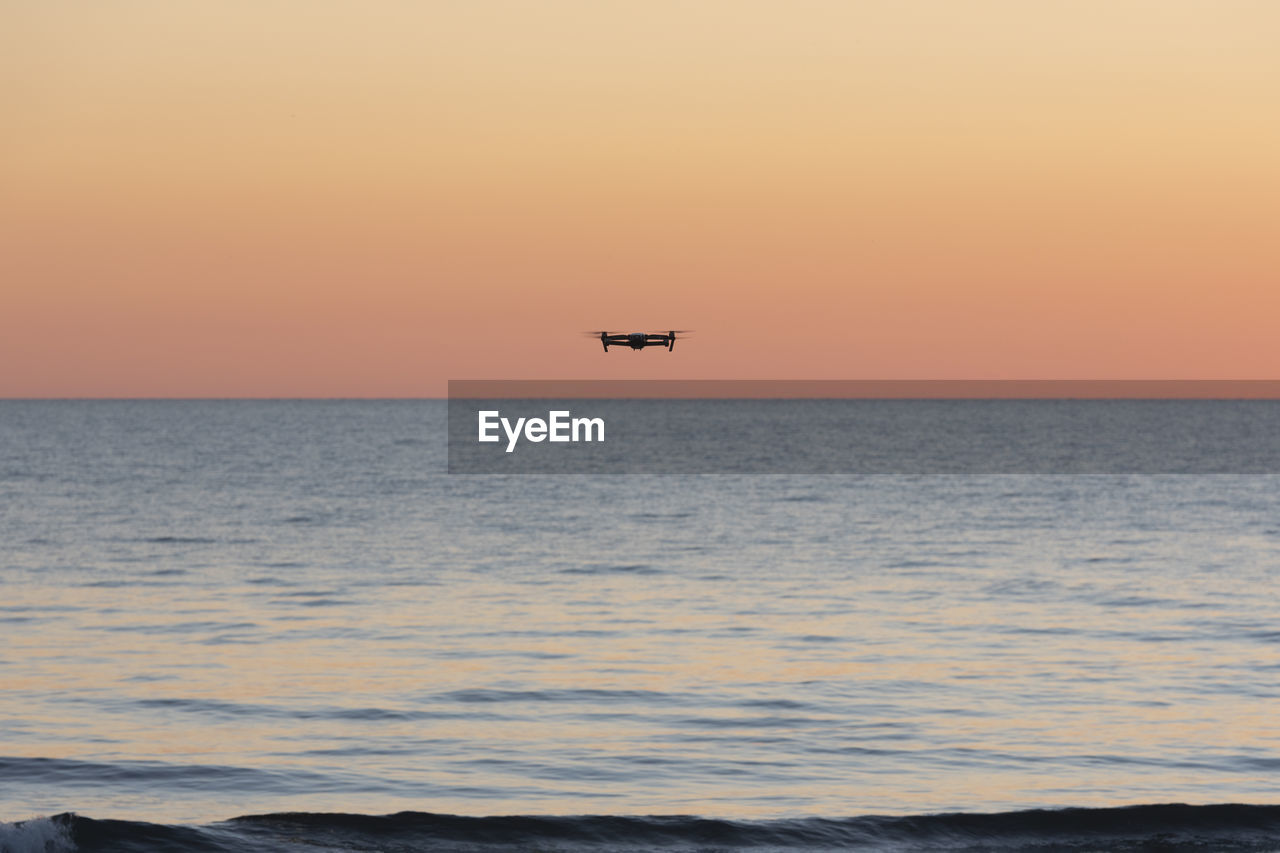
[598, 333]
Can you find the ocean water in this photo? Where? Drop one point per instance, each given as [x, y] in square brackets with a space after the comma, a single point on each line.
[216, 610]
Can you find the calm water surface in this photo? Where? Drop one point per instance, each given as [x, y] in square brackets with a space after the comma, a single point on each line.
[210, 609]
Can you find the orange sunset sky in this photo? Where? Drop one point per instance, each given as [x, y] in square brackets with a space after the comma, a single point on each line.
[333, 198]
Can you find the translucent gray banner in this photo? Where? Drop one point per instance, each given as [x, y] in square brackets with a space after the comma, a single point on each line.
[624, 427]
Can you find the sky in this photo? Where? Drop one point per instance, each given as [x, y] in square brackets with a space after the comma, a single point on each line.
[330, 198]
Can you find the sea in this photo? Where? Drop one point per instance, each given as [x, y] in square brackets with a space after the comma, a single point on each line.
[259, 625]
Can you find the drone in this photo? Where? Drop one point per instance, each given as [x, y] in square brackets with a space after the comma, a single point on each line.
[639, 340]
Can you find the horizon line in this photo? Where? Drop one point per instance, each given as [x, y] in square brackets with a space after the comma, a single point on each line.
[766, 389]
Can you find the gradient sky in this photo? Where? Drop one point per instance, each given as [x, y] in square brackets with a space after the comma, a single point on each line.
[333, 198]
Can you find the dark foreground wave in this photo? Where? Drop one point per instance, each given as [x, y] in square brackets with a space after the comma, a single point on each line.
[1165, 828]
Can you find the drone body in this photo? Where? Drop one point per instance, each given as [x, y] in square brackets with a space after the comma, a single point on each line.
[639, 340]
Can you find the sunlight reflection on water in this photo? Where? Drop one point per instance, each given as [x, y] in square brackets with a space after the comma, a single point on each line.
[218, 608]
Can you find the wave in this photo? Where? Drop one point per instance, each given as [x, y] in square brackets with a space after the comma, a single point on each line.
[1166, 828]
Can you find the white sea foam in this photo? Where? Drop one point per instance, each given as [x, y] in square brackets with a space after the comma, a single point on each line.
[38, 835]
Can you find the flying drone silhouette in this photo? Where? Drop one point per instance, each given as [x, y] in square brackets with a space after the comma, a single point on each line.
[639, 340]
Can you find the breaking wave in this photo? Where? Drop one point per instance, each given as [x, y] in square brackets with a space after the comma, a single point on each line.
[1166, 828]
